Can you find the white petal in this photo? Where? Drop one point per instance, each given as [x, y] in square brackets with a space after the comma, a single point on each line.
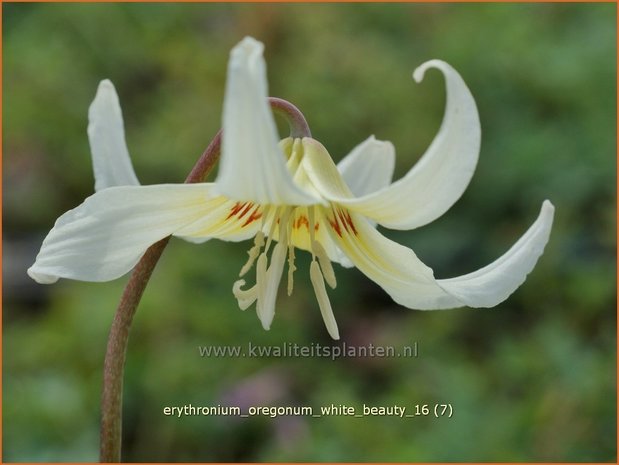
[223, 219]
[252, 166]
[495, 282]
[368, 167]
[105, 236]
[110, 158]
[392, 266]
[319, 168]
[411, 283]
[442, 174]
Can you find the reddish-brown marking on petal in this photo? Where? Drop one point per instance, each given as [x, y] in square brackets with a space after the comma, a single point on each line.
[301, 220]
[316, 226]
[340, 215]
[235, 209]
[350, 223]
[247, 208]
[255, 215]
[335, 225]
[346, 220]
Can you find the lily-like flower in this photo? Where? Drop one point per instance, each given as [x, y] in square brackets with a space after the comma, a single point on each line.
[288, 194]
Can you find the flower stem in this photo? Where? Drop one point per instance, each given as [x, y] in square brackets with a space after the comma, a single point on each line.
[115, 355]
[113, 366]
[296, 120]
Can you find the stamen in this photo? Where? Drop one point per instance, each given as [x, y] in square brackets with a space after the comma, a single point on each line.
[244, 297]
[325, 264]
[318, 250]
[323, 300]
[253, 252]
[291, 268]
[268, 277]
[265, 214]
[312, 232]
[272, 230]
[284, 226]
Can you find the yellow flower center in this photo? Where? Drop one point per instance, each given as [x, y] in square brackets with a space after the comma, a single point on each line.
[291, 227]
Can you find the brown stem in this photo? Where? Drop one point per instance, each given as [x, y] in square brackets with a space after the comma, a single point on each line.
[115, 355]
[113, 366]
[206, 162]
[296, 120]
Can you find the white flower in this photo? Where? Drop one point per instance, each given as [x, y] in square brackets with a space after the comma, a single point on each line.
[288, 195]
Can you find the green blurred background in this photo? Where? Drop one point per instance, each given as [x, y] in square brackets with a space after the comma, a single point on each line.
[531, 380]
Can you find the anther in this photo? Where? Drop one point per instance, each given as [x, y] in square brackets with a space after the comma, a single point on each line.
[323, 300]
[261, 282]
[291, 268]
[253, 252]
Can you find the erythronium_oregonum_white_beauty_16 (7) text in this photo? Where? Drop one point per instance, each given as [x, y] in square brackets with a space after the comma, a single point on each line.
[288, 194]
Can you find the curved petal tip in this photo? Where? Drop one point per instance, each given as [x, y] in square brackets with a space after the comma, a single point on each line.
[495, 282]
[420, 71]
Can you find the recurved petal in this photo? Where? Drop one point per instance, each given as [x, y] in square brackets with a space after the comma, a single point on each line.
[392, 266]
[105, 236]
[368, 167]
[442, 174]
[495, 282]
[412, 284]
[252, 166]
[110, 158]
